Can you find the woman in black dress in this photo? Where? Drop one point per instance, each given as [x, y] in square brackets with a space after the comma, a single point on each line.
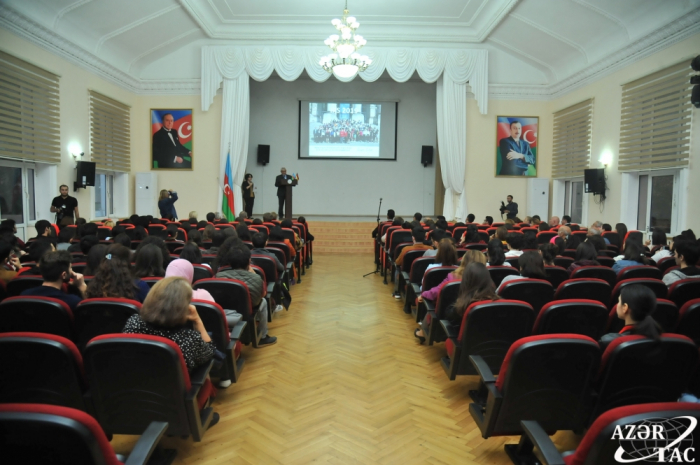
[248, 194]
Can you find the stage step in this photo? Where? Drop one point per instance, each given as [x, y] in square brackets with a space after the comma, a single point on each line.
[342, 238]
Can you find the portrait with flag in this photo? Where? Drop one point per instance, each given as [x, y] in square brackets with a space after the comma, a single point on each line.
[516, 146]
[172, 135]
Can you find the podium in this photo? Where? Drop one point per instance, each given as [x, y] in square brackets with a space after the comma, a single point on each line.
[288, 199]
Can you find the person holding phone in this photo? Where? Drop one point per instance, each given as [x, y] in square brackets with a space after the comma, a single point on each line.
[248, 189]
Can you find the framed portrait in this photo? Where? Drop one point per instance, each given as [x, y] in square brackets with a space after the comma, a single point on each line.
[172, 139]
[516, 146]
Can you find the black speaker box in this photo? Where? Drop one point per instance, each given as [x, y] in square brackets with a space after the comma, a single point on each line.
[594, 181]
[85, 174]
[263, 154]
[426, 155]
[695, 96]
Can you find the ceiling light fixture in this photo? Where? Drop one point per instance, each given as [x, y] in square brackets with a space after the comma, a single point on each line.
[345, 62]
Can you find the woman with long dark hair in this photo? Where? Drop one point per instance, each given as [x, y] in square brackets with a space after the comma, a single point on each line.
[531, 267]
[586, 255]
[94, 258]
[495, 253]
[113, 277]
[633, 256]
[471, 236]
[659, 245]
[446, 254]
[149, 262]
[635, 306]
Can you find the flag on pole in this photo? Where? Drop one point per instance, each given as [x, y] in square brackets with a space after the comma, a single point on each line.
[227, 206]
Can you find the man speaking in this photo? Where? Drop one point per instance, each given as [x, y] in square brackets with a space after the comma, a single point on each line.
[168, 152]
[281, 182]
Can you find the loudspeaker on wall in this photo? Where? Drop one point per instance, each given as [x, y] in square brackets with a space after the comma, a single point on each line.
[426, 155]
[263, 154]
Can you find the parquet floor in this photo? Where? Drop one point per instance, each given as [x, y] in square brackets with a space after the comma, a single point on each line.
[347, 383]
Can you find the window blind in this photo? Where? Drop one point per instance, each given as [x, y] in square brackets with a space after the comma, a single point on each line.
[110, 133]
[655, 123]
[29, 112]
[571, 151]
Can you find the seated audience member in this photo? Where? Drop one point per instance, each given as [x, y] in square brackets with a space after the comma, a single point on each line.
[441, 223]
[633, 256]
[596, 229]
[191, 253]
[259, 222]
[621, 230]
[140, 233]
[531, 267]
[635, 306]
[398, 221]
[419, 243]
[113, 277]
[86, 243]
[274, 216]
[435, 236]
[536, 220]
[658, 239]
[243, 232]
[530, 241]
[160, 243]
[217, 239]
[209, 232]
[10, 226]
[488, 220]
[471, 236]
[211, 217]
[495, 254]
[117, 230]
[564, 239]
[287, 224]
[585, 256]
[542, 227]
[86, 230]
[549, 252]
[509, 223]
[37, 249]
[229, 243]
[501, 234]
[689, 234]
[94, 258]
[476, 286]
[203, 224]
[149, 262]
[597, 242]
[470, 218]
[446, 254]
[276, 235]
[389, 217]
[686, 253]
[309, 236]
[430, 223]
[195, 237]
[171, 231]
[123, 239]
[259, 244]
[242, 216]
[553, 222]
[607, 227]
[515, 244]
[566, 220]
[192, 216]
[238, 258]
[10, 262]
[64, 238]
[43, 229]
[56, 270]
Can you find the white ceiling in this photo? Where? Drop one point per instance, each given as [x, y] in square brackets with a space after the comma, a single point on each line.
[537, 48]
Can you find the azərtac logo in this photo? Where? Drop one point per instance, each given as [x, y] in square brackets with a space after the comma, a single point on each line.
[656, 440]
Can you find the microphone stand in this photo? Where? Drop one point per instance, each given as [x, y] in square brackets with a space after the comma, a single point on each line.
[378, 238]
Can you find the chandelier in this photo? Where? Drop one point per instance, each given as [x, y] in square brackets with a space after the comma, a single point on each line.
[345, 62]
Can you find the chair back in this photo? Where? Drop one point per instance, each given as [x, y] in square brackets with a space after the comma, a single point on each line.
[689, 320]
[103, 315]
[489, 328]
[267, 265]
[435, 276]
[42, 369]
[36, 315]
[151, 280]
[556, 275]
[447, 296]
[397, 236]
[605, 261]
[283, 247]
[513, 262]
[214, 319]
[656, 285]
[544, 237]
[201, 272]
[499, 272]
[562, 261]
[39, 433]
[484, 235]
[680, 292]
[410, 257]
[136, 379]
[21, 283]
[641, 271]
[613, 237]
[418, 268]
[666, 263]
[230, 294]
[599, 272]
[103, 232]
[457, 233]
[547, 378]
[536, 292]
[576, 316]
[279, 253]
[584, 288]
[638, 370]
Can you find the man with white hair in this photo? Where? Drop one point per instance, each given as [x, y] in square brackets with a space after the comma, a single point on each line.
[553, 221]
[596, 229]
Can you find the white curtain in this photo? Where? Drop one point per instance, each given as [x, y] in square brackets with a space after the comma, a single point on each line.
[452, 140]
[232, 65]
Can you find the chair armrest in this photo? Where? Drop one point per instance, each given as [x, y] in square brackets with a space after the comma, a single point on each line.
[449, 329]
[238, 330]
[199, 374]
[405, 275]
[538, 436]
[147, 443]
[270, 288]
[416, 288]
[482, 369]
[429, 305]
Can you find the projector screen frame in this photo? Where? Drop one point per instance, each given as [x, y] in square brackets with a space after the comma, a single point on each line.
[396, 131]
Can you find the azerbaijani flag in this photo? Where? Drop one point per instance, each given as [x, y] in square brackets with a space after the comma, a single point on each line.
[182, 123]
[227, 200]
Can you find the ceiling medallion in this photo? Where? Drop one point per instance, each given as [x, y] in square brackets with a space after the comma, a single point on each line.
[345, 62]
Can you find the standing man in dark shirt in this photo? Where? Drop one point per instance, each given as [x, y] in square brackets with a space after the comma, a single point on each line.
[511, 208]
[55, 268]
[64, 206]
[281, 183]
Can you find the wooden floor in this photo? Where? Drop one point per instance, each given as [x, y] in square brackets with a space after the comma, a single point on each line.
[346, 383]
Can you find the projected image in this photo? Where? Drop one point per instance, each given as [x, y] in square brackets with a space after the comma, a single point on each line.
[344, 129]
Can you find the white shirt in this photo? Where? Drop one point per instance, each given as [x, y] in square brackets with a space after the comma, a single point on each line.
[663, 253]
[514, 253]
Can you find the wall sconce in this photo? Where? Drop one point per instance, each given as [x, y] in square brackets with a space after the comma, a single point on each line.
[76, 155]
[605, 158]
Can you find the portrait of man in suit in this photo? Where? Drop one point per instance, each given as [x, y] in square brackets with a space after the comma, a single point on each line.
[172, 139]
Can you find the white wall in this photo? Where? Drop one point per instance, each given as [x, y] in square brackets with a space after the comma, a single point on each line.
[343, 187]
